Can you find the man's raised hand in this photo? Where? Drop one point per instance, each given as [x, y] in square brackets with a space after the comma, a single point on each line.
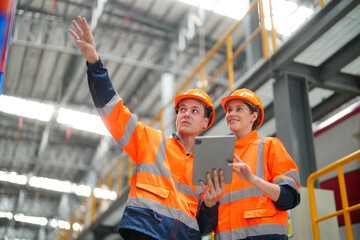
[84, 40]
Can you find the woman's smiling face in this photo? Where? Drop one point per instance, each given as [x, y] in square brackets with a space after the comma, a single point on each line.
[239, 118]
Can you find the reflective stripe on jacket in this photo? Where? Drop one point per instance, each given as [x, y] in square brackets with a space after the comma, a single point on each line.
[244, 210]
[162, 201]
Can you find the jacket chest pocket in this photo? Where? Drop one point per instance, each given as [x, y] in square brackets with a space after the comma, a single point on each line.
[263, 207]
[156, 190]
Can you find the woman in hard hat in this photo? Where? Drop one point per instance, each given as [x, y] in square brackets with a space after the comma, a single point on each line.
[267, 183]
[162, 202]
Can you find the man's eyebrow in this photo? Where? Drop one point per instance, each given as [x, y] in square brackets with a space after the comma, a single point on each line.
[186, 105]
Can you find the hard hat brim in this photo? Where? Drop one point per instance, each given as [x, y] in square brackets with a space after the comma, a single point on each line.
[186, 96]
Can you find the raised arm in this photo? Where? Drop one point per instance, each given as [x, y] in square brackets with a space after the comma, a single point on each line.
[84, 40]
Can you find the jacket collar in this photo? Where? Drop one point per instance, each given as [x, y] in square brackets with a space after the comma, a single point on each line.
[247, 139]
[175, 136]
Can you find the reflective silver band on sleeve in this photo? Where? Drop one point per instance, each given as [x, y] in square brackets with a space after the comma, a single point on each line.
[288, 180]
[294, 175]
[106, 110]
[129, 129]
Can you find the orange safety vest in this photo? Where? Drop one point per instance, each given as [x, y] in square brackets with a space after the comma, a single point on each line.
[162, 176]
[244, 210]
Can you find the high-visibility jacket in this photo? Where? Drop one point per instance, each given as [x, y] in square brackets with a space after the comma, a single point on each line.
[247, 213]
[162, 202]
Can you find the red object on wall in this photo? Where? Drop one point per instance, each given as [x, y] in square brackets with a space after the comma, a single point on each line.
[7, 9]
[352, 182]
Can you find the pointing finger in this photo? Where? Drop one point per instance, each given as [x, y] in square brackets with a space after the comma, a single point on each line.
[237, 158]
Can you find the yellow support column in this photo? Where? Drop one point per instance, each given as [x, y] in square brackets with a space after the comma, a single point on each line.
[130, 170]
[84, 212]
[202, 77]
[162, 121]
[110, 185]
[100, 199]
[263, 31]
[312, 204]
[119, 177]
[229, 54]
[93, 207]
[273, 33]
[345, 203]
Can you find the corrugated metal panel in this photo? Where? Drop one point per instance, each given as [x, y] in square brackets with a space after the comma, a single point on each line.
[352, 68]
[330, 42]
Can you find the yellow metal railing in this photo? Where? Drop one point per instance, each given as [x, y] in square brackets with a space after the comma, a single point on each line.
[231, 56]
[89, 208]
[86, 213]
[338, 165]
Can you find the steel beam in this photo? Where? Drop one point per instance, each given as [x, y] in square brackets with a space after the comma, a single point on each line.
[304, 37]
[294, 122]
[344, 56]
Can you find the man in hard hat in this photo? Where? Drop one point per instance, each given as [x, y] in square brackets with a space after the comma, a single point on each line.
[162, 203]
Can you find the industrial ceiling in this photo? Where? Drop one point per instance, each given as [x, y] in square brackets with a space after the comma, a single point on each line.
[138, 41]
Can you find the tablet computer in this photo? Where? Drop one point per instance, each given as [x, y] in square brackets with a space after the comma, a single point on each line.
[213, 152]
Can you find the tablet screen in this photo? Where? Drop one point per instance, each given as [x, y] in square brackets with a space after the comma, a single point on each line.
[213, 152]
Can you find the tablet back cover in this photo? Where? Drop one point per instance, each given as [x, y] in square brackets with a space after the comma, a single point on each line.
[213, 152]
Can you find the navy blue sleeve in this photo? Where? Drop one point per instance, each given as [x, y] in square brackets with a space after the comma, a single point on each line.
[288, 199]
[207, 218]
[101, 88]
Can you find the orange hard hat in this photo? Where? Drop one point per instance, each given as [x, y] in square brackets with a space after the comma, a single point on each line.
[248, 95]
[201, 96]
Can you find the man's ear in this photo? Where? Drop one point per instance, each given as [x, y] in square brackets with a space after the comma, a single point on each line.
[176, 119]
